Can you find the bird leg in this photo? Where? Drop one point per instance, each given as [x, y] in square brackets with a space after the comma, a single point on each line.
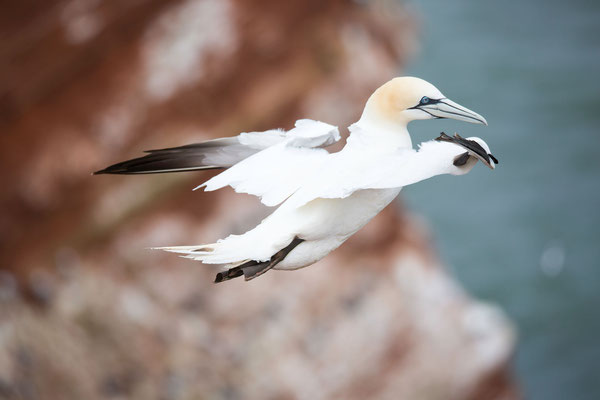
[229, 274]
[252, 269]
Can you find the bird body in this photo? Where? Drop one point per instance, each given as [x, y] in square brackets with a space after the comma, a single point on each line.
[322, 225]
[323, 198]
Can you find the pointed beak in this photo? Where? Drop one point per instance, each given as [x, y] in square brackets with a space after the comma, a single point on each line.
[446, 108]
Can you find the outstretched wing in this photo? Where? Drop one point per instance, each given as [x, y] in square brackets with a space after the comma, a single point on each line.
[277, 172]
[353, 171]
[225, 152]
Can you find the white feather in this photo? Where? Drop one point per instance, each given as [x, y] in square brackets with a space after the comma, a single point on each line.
[325, 198]
[358, 169]
[276, 172]
[335, 200]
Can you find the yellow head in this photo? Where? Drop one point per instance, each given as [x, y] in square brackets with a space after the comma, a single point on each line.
[407, 98]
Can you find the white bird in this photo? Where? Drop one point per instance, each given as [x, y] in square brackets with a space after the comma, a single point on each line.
[323, 197]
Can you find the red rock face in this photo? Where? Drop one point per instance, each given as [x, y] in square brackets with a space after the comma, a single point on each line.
[88, 312]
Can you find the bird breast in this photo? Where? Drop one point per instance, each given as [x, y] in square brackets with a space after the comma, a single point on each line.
[323, 218]
[324, 224]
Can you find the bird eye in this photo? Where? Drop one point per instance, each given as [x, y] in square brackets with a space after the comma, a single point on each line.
[424, 100]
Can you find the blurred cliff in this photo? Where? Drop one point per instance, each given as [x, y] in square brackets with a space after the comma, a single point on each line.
[87, 312]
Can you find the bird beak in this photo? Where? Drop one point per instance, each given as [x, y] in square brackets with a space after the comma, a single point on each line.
[446, 108]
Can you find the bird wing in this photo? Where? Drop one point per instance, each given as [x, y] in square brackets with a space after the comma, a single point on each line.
[276, 172]
[225, 152]
[359, 170]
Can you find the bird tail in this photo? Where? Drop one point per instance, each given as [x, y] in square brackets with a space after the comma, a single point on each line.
[250, 269]
[194, 252]
[208, 252]
[253, 252]
[221, 252]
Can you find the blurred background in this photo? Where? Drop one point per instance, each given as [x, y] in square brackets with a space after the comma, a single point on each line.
[478, 287]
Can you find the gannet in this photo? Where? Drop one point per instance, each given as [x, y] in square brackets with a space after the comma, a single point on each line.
[323, 198]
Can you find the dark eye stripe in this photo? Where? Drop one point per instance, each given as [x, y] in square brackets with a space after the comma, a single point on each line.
[426, 101]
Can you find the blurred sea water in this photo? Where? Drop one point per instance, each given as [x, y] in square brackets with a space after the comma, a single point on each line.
[527, 235]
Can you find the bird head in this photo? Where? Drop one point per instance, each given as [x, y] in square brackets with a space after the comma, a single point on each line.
[406, 99]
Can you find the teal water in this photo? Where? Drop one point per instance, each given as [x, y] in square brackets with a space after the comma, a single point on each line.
[527, 235]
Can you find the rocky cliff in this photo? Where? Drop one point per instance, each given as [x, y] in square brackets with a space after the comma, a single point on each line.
[88, 312]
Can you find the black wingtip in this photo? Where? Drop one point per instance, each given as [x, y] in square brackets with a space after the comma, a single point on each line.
[112, 171]
[191, 157]
[444, 137]
[158, 162]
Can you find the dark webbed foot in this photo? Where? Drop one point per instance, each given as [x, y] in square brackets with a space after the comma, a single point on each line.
[229, 274]
[252, 269]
